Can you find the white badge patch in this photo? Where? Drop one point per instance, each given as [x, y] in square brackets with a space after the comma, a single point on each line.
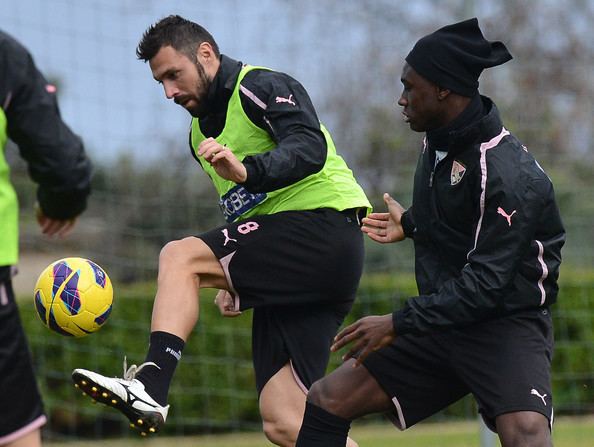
[458, 170]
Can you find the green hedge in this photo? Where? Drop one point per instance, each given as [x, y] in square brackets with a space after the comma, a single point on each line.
[214, 386]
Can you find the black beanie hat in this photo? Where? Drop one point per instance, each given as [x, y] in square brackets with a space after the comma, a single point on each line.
[454, 56]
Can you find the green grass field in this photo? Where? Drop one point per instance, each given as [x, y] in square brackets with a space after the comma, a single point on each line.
[568, 432]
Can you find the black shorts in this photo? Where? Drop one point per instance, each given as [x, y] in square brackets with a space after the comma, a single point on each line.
[505, 363]
[21, 409]
[299, 271]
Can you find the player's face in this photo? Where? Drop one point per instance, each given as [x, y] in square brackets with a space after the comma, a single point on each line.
[183, 80]
[422, 109]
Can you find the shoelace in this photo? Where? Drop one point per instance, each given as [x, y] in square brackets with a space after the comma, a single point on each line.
[130, 373]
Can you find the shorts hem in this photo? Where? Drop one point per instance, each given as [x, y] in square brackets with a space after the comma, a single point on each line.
[489, 422]
[34, 425]
[397, 415]
[298, 380]
[397, 418]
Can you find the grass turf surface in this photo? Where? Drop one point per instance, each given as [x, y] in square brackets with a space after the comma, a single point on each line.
[568, 432]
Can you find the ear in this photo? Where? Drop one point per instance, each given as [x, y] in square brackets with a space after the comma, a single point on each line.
[205, 53]
[442, 93]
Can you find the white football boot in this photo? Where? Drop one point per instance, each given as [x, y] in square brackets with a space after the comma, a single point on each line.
[127, 395]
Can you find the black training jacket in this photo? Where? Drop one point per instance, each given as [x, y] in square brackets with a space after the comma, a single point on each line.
[55, 155]
[486, 229]
[301, 147]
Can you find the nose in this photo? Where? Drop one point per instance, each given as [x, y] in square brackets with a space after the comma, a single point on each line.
[171, 91]
[402, 101]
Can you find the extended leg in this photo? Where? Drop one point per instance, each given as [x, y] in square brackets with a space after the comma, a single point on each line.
[184, 267]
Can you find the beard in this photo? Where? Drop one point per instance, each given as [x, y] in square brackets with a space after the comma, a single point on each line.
[201, 107]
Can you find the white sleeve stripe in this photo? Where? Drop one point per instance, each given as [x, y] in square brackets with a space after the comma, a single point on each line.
[484, 148]
[7, 101]
[253, 97]
[545, 272]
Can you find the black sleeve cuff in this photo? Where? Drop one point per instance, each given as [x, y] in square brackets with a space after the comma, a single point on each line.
[408, 224]
[62, 206]
[395, 324]
[252, 178]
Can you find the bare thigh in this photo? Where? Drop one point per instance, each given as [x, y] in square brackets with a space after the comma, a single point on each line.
[350, 392]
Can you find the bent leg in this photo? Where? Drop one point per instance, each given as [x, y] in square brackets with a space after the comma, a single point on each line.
[350, 392]
[337, 399]
[523, 428]
[185, 266]
[282, 404]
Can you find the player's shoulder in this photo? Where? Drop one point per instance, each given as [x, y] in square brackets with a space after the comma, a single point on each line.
[267, 81]
[12, 48]
[265, 74]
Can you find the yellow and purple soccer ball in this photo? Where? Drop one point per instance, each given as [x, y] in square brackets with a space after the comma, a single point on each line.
[73, 297]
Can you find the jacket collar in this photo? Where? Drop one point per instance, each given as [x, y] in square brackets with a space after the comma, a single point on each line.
[477, 132]
[223, 84]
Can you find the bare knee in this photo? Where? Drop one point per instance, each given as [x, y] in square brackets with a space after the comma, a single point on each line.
[281, 431]
[191, 257]
[349, 393]
[316, 393]
[524, 428]
[324, 395]
[174, 253]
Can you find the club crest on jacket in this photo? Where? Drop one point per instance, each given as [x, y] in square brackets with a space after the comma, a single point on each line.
[458, 170]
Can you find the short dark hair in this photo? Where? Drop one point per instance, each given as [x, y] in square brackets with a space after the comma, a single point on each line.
[183, 35]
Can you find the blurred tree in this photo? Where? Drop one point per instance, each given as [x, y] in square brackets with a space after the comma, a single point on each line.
[545, 93]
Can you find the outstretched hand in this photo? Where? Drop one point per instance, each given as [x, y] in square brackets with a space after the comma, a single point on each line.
[368, 333]
[385, 227]
[223, 160]
[226, 304]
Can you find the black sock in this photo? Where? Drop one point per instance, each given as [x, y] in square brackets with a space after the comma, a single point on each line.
[164, 350]
[322, 429]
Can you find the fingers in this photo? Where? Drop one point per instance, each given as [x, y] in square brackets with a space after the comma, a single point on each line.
[225, 301]
[210, 148]
[377, 217]
[355, 353]
[382, 239]
[344, 339]
[378, 234]
[376, 220]
[376, 226]
[393, 205]
[367, 335]
[346, 332]
[55, 227]
[223, 160]
[389, 200]
[66, 228]
[377, 229]
[359, 351]
[224, 154]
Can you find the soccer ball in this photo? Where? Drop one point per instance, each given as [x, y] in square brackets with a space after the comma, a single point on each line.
[73, 297]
